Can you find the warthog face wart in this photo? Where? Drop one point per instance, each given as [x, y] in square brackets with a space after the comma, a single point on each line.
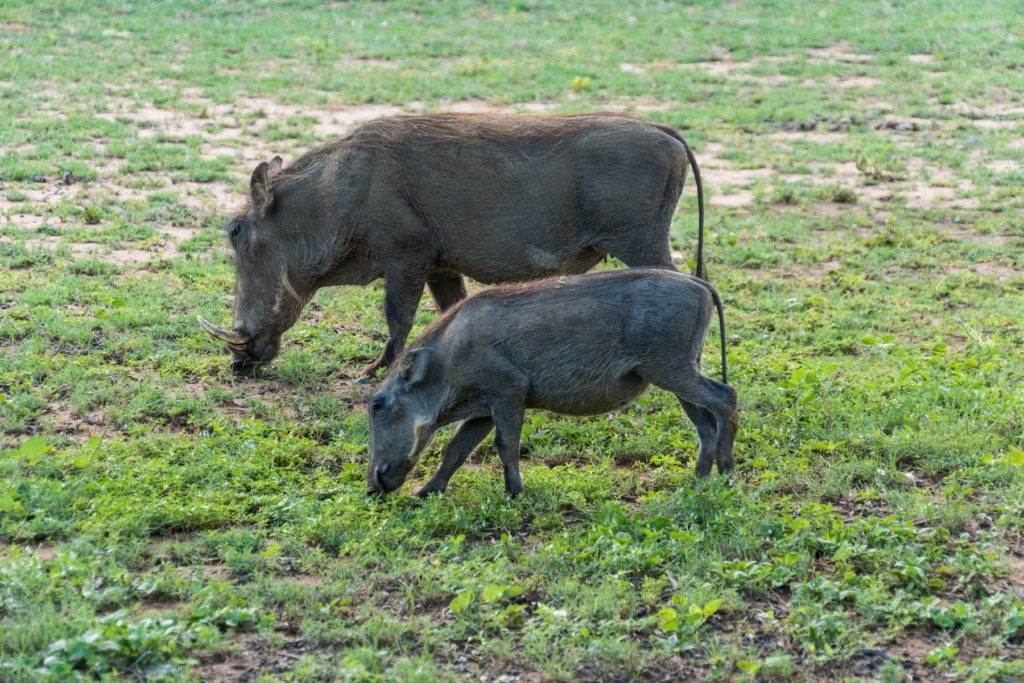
[401, 425]
[269, 293]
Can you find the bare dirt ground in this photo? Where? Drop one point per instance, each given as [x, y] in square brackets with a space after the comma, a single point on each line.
[236, 133]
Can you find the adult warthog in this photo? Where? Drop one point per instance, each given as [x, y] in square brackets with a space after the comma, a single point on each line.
[427, 199]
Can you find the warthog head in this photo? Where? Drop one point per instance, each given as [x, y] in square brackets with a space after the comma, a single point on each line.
[271, 288]
[402, 420]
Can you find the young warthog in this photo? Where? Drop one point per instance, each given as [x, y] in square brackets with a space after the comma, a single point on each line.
[428, 199]
[578, 345]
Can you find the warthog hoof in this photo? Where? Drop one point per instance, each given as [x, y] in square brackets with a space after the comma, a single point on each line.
[430, 490]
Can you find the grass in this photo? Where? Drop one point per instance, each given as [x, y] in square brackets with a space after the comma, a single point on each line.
[159, 518]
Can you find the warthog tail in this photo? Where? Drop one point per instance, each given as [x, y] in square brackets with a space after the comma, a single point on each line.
[721, 326]
[699, 270]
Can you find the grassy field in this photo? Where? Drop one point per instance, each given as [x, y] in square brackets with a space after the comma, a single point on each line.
[161, 519]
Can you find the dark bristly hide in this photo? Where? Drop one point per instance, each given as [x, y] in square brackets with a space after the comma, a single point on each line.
[578, 345]
[425, 200]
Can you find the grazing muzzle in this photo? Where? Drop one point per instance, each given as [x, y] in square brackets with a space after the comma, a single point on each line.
[385, 477]
[247, 350]
[259, 351]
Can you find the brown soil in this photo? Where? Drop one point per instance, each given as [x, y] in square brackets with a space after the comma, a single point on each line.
[237, 131]
[816, 271]
[987, 270]
[840, 52]
[252, 657]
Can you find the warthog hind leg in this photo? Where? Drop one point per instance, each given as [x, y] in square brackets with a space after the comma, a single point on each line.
[707, 430]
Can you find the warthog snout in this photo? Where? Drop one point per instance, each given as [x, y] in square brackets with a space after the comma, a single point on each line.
[247, 351]
[375, 476]
[242, 362]
[232, 337]
[385, 478]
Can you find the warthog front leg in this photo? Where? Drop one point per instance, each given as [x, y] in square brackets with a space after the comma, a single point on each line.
[508, 427]
[447, 290]
[470, 434]
[402, 292]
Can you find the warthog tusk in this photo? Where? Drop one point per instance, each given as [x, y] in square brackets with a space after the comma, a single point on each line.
[232, 338]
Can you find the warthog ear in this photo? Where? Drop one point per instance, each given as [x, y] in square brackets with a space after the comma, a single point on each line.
[275, 164]
[259, 189]
[416, 365]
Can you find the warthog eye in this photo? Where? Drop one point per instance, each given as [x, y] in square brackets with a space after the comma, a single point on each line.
[235, 229]
[377, 404]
